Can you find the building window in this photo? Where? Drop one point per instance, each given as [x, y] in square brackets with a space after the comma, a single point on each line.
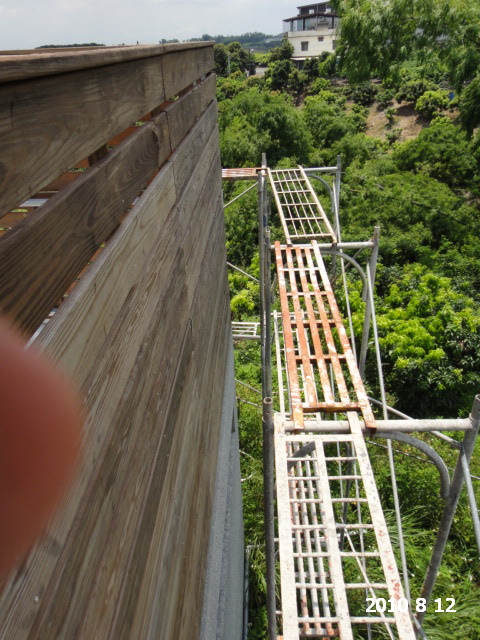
[304, 46]
[320, 38]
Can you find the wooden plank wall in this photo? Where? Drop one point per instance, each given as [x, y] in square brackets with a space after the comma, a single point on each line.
[145, 334]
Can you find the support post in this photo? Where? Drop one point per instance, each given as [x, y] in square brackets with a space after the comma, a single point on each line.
[267, 419]
[368, 309]
[450, 506]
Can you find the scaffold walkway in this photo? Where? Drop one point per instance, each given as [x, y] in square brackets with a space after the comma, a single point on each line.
[300, 210]
[335, 552]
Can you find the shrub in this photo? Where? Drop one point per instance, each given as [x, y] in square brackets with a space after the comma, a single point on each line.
[362, 93]
[441, 150]
[385, 98]
[469, 105]
[411, 90]
[393, 135]
[319, 84]
[432, 102]
[390, 114]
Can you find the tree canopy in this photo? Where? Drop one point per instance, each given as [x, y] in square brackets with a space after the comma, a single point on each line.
[378, 36]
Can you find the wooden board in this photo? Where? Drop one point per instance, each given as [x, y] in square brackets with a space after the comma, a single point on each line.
[146, 335]
[18, 65]
[184, 112]
[182, 68]
[41, 257]
[89, 315]
[75, 222]
[67, 119]
[189, 153]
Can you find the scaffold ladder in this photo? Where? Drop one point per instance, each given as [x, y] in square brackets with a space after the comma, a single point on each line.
[339, 576]
[300, 210]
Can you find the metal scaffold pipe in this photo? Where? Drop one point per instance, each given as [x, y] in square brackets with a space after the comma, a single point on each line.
[268, 461]
[368, 309]
[451, 505]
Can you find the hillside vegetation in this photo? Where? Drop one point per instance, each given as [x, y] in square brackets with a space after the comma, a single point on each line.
[401, 111]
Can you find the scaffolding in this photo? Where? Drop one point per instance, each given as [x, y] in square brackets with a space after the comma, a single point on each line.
[334, 551]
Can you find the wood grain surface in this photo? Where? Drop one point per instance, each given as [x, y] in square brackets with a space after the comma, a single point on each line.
[145, 335]
[42, 256]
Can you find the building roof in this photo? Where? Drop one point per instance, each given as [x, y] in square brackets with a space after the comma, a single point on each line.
[311, 15]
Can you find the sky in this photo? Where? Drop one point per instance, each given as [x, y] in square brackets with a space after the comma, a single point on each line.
[26, 24]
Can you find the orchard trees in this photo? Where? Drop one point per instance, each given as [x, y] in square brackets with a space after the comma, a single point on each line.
[254, 122]
[379, 36]
[429, 336]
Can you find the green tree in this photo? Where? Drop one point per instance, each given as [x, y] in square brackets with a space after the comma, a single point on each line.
[220, 56]
[284, 52]
[258, 121]
[442, 150]
[278, 75]
[469, 106]
[431, 103]
[378, 36]
[429, 334]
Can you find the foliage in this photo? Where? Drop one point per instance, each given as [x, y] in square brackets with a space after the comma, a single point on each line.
[278, 74]
[412, 90]
[230, 86]
[328, 65]
[311, 68]
[378, 37]
[385, 97]
[469, 105]
[390, 113]
[431, 103]
[423, 194]
[363, 93]
[230, 58]
[256, 121]
[393, 135]
[429, 335]
[442, 151]
[319, 84]
[284, 52]
[329, 122]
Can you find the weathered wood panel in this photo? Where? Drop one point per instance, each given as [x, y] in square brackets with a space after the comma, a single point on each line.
[69, 119]
[18, 65]
[184, 112]
[44, 254]
[181, 69]
[41, 257]
[146, 335]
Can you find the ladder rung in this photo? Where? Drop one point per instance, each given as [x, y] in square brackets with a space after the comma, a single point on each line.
[348, 585]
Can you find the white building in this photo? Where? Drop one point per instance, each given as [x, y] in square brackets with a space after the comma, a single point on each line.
[312, 32]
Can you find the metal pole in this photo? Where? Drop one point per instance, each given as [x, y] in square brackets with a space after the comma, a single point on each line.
[409, 425]
[391, 461]
[471, 497]
[338, 179]
[267, 426]
[232, 266]
[240, 195]
[368, 309]
[450, 507]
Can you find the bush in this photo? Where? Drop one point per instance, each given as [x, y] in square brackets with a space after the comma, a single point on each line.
[385, 98]
[432, 102]
[390, 114]
[411, 90]
[319, 84]
[469, 105]
[362, 93]
[441, 150]
[393, 135]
